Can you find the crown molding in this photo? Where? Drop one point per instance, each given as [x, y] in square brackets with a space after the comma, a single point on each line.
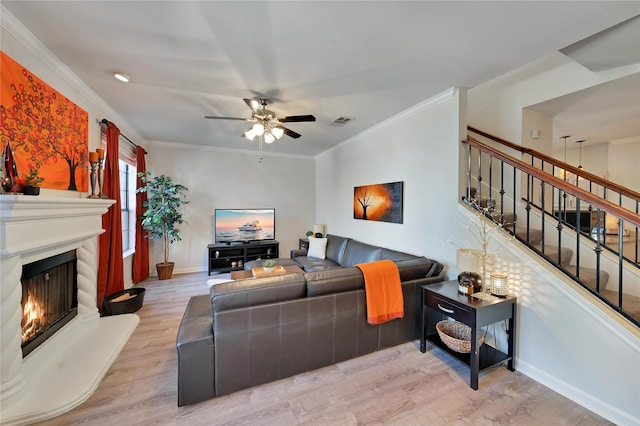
[22, 34]
[424, 105]
[197, 147]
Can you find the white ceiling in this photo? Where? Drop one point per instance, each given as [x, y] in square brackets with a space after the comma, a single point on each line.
[607, 113]
[363, 59]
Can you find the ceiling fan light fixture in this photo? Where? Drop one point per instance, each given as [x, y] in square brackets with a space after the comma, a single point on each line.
[249, 134]
[277, 132]
[269, 138]
[258, 129]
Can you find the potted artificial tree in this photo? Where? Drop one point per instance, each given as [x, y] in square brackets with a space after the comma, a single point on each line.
[32, 183]
[162, 214]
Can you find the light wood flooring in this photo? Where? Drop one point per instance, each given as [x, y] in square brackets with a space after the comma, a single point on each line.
[396, 386]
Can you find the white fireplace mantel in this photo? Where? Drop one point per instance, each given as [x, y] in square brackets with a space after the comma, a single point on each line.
[66, 369]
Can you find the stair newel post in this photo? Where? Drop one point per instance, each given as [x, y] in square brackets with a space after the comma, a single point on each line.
[598, 251]
[479, 178]
[578, 232]
[636, 238]
[543, 212]
[490, 202]
[561, 216]
[468, 163]
[502, 194]
[514, 200]
[620, 259]
[528, 206]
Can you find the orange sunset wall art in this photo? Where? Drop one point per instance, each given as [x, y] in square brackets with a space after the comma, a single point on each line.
[380, 202]
[45, 130]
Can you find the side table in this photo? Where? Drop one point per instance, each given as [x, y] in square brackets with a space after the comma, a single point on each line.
[443, 300]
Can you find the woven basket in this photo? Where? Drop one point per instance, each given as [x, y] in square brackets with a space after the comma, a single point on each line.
[456, 335]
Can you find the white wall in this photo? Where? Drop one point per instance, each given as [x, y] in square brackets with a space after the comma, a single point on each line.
[216, 179]
[28, 51]
[623, 164]
[564, 341]
[418, 147]
[17, 42]
[219, 178]
[552, 76]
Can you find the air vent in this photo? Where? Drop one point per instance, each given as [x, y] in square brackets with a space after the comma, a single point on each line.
[341, 121]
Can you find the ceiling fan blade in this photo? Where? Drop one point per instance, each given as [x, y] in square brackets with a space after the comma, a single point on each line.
[290, 133]
[296, 118]
[254, 104]
[211, 117]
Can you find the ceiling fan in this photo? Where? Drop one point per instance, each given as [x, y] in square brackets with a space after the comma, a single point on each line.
[267, 124]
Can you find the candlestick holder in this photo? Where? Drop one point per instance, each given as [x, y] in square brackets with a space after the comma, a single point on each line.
[101, 177]
[94, 178]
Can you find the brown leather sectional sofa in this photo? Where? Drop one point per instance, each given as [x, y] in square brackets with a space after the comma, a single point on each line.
[254, 331]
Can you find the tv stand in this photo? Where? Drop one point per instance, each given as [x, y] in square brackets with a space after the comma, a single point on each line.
[227, 257]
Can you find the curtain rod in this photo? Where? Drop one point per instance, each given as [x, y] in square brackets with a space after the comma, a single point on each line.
[106, 122]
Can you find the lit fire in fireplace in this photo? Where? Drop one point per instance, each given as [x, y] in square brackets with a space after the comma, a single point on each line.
[32, 318]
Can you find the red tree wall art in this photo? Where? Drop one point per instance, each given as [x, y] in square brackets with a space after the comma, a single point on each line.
[45, 129]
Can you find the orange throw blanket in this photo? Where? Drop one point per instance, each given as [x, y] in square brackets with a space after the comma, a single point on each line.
[383, 291]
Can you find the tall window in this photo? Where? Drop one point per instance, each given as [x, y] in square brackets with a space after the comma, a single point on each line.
[128, 204]
[127, 165]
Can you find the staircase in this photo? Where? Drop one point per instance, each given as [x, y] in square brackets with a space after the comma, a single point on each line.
[608, 271]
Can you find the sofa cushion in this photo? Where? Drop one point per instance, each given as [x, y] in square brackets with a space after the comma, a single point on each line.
[314, 264]
[257, 291]
[317, 248]
[356, 252]
[334, 280]
[335, 248]
[395, 255]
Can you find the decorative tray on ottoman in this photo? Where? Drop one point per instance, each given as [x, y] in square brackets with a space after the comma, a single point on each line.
[260, 272]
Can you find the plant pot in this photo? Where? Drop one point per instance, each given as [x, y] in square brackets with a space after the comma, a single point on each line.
[165, 270]
[31, 190]
[124, 302]
[269, 270]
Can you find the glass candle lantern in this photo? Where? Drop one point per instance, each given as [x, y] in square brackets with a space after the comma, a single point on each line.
[498, 285]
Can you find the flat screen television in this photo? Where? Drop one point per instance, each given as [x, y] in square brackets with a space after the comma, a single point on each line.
[244, 225]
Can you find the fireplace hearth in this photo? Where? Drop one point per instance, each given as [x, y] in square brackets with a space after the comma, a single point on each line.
[66, 367]
[49, 298]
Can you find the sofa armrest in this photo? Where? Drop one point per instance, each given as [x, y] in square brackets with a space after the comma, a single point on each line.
[298, 252]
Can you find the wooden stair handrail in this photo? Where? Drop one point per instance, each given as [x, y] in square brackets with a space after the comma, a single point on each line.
[580, 193]
[576, 171]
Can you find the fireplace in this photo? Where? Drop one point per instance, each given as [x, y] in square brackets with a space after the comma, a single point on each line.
[49, 298]
[67, 365]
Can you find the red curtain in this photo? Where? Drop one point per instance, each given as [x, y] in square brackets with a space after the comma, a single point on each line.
[110, 263]
[141, 256]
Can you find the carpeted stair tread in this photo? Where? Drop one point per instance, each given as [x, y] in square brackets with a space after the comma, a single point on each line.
[630, 303]
[535, 235]
[552, 253]
[588, 276]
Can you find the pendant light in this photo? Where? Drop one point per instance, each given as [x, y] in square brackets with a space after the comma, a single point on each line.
[580, 163]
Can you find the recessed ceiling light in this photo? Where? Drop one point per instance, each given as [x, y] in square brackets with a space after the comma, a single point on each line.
[125, 78]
